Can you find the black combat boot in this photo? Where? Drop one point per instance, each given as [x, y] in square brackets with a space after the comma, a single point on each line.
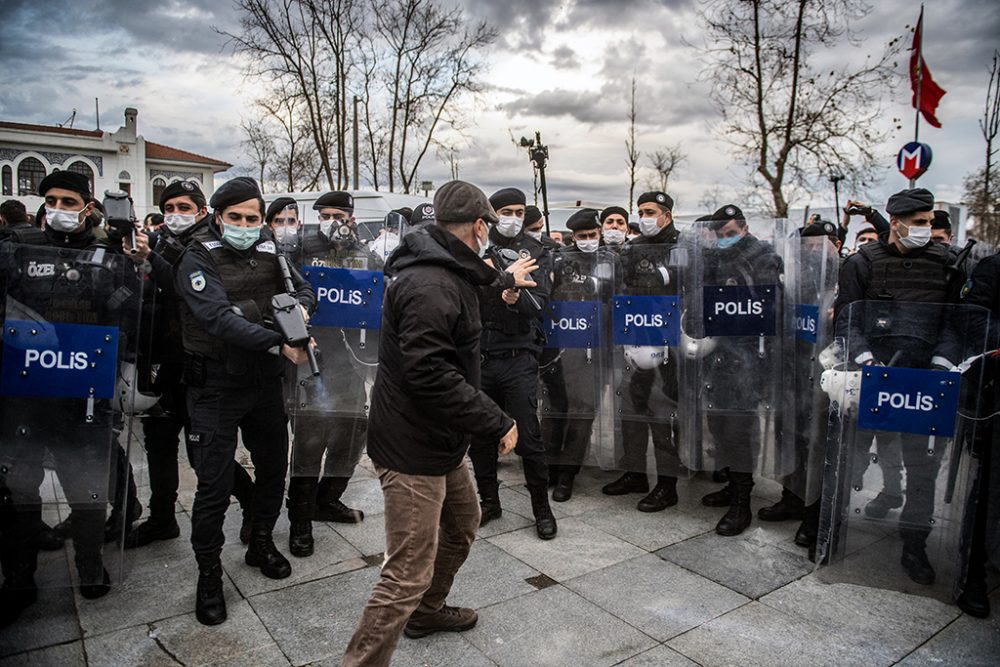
[563, 490]
[663, 495]
[18, 591]
[914, 558]
[545, 522]
[630, 482]
[489, 502]
[738, 518]
[263, 554]
[95, 582]
[789, 508]
[721, 498]
[301, 501]
[210, 604]
[808, 530]
[328, 505]
[154, 529]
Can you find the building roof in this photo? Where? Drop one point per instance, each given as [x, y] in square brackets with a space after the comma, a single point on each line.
[155, 151]
[50, 129]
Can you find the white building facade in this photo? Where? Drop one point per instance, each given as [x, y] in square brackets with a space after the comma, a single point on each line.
[120, 160]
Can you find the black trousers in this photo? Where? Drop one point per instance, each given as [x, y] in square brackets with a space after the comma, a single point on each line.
[513, 384]
[217, 413]
[342, 439]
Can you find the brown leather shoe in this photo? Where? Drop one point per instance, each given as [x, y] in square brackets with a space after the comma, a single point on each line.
[446, 619]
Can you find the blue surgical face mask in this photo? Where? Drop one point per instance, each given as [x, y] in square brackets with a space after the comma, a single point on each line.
[240, 238]
[727, 242]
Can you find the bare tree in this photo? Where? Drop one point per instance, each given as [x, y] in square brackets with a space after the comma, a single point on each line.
[258, 142]
[984, 206]
[663, 162]
[990, 124]
[793, 121]
[631, 151]
[295, 165]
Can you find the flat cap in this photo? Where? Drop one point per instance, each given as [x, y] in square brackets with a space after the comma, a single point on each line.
[336, 199]
[182, 189]
[582, 220]
[235, 191]
[613, 210]
[422, 214]
[66, 180]
[661, 198]
[507, 197]
[531, 215]
[279, 205]
[941, 220]
[458, 201]
[916, 200]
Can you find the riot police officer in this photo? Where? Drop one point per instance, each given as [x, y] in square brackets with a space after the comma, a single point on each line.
[645, 270]
[233, 367]
[614, 226]
[282, 217]
[534, 226]
[329, 413]
[511, 342]
[185, 214]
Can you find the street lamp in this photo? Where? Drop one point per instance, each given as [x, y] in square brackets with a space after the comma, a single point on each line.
[539, 156]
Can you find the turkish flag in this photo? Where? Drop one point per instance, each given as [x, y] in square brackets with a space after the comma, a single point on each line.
[924, 89]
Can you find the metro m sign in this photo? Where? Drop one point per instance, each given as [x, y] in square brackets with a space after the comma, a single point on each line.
[913, 159]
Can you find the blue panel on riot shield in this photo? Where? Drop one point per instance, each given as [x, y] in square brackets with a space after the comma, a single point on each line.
[909, 400]
[806, 322]
[348, 298]
[58, 360]
[740, 310]
[645, 320]
[572, 324]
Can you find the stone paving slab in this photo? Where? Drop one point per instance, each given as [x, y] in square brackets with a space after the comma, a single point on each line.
[968, 641]
[647, 530]
[577, 549]
[554, 627]
[745, 563]
[489, 576]
[52, 619]
[440, 650]
[63, 655]
[661, 656]
[659, 598]
[368, 537]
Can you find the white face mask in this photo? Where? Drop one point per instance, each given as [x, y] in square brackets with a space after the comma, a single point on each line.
[509, 226]
[384, 245]
[648, 226]
[537, 235]
[614, 236]
[916, 237]
[178, 222]
[286, 235]
[62, 221]
[589, 245]
[482, 245]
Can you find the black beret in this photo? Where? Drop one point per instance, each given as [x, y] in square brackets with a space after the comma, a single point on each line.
[941, 220]
[916, 200]
[66, 180]
[235, 191]
[279, 205]
[182, 189]
[458, 201]
[819, 228]
[724, 215]
[866, 230]
[337, 199]
[531, 215]
[612, 210]
[582, 220]
[634, 226]
[661, 198]
[421, 214]
[406, 212]
[507, 197]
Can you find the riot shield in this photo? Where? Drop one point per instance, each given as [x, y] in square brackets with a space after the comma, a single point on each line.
[811, 268]
[731, 362]
[645, 330]
[901, 463]
[70, 320]
[394, 227]
[329, 412]
[573, 367]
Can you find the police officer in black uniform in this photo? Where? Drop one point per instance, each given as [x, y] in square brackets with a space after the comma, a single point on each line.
[510, 345]
[283, 218]
[534, 226]
[233, 367]
[656, 226]
[185, 214]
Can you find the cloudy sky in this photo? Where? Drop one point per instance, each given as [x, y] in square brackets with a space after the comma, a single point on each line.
[561, 67]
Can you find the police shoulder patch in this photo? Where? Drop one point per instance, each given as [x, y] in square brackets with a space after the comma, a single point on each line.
[266, 246]
[212, 245]
[197, 280]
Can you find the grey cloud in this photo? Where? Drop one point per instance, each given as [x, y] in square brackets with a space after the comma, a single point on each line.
[565, 58]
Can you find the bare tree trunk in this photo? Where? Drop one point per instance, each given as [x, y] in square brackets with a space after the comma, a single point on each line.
[632, 153]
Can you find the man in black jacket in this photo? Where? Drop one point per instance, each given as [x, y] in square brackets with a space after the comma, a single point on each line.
[426, 404]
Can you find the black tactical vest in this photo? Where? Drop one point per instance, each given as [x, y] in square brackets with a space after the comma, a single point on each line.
[920, 276]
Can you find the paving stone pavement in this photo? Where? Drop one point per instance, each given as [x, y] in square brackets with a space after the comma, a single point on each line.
[616, 587]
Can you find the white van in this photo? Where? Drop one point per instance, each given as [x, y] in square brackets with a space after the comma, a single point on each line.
[370, 207]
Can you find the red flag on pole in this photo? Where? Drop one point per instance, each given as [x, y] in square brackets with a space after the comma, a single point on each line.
[926, 93]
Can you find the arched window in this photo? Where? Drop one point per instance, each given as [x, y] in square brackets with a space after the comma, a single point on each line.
[159, 185]
[83, 168]
[8, 181]
[29, 176]
[125, 182]
[124, 176]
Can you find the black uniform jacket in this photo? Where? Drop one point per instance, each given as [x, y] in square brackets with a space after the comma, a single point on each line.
[426, 402]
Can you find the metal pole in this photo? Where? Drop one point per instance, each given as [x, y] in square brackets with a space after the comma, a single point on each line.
[357, 180]
[920, 77]
[836, 195]
[97, 111]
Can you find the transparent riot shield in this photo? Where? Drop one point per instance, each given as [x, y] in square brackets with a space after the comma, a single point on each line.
[70, 320]
[573, 367]
[901, 462]
[811, 268]
[731, 362]
[329, 412]
[645, 330]
[394, 227]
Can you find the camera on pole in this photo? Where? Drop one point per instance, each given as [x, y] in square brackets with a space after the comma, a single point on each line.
[539, 156]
